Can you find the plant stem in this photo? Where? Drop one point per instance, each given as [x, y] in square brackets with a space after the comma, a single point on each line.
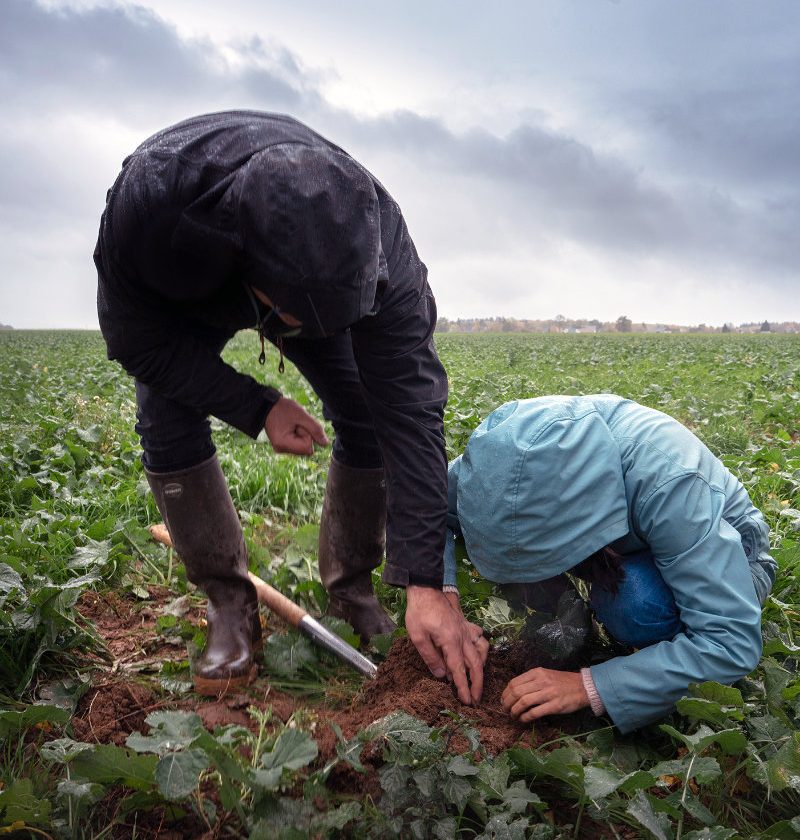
[581, 807]
[679, 830]
[147, 560]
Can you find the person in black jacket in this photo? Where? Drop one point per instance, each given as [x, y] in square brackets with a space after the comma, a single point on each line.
[245, 219]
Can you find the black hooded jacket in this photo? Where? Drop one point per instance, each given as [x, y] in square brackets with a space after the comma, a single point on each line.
[218, 203]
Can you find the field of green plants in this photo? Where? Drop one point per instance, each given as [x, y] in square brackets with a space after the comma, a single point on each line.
[74, 546]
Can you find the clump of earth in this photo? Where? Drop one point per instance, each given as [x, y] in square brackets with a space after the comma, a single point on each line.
[123, 695]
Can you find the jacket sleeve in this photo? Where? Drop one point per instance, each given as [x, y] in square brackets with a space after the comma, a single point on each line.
[701, 559]
[405, 387]
[185, 370]
[143, 333]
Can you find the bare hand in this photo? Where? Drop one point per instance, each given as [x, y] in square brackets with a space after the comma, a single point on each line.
[446, 641]
[473, 630]
[541, 692]
[291, 429]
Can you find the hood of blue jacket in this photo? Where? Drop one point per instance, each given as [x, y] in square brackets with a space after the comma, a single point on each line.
[538, 489]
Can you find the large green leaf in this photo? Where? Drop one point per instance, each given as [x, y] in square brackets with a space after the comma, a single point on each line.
[599, 782]
[710, 711]
[782, 771]
[697, 809]
[504, 827]
[400, 726]
[641, 809]
[637, 780]
[494, 775]
[731, 741]
[456, 790]
[13, 723]
[702, 768]
[107, 764]
[783, 830]
[725, 695]
[716, 832]
[768, 729]
[265, 780]
[9, 579]
[80, 794]
[776, 678]
[292, 750]
[19, 804]
[342, 629]
[563, 764]
[92, 555]
[64, 693]
[287, 653]
[63, 750]
[518, 797]
[178, 773]
[460, 766]
[169, 731]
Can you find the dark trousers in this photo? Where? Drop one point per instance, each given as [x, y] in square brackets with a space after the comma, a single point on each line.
[175, 436]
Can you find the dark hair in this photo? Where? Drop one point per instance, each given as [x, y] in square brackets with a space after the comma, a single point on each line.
[603, 568]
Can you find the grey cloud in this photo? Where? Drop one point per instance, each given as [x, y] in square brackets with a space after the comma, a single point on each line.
[745, 134]
[737, 204]
[543, 178]
[129, 61]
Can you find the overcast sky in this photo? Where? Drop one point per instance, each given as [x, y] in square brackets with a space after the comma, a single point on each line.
[589, 158]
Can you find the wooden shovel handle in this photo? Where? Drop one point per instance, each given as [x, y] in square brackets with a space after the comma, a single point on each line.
[277, 601]
[267, 595]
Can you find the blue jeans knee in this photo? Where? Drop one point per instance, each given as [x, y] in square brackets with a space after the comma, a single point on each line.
[643, 611]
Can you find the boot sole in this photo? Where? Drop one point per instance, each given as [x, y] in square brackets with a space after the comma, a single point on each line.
[220, 687]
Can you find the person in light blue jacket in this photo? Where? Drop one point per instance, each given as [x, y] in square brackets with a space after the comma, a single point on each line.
[560, 483]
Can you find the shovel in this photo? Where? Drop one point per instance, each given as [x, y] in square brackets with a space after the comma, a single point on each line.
[295, 615]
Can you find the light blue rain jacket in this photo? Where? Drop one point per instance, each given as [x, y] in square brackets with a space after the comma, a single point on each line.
[544, 483]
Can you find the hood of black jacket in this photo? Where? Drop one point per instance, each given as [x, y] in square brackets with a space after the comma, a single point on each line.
[303, 224]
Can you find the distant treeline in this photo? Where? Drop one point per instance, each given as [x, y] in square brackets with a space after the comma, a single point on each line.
[6, 327]
[560, 324]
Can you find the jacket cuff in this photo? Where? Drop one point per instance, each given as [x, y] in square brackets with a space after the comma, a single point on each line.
[269, 397]
[398, 576]
[450, 559]
[595, 701]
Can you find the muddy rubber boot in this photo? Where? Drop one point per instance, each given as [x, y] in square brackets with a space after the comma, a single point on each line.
[352, 536]
[205, 531]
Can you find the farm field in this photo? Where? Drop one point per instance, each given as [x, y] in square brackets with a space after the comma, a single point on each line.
[101, 736]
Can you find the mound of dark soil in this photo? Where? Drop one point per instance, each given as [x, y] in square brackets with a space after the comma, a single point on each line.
[111, 710]
[118, 703]
[124, 694]
[405, 683]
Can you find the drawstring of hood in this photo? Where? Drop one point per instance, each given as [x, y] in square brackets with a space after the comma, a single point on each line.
[262, 356]
[281, 366]
[259, 328]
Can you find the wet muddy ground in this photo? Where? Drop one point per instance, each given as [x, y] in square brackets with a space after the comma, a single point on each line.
[125, 691]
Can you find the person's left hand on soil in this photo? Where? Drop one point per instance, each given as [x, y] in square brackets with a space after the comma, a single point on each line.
[541, 692]
[445, 641]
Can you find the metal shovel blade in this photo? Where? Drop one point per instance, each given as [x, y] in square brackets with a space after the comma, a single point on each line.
[337, 646]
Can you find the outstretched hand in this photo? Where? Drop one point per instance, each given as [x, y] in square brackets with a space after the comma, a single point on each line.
[542, 691]
[450, 645]
[292, 430]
